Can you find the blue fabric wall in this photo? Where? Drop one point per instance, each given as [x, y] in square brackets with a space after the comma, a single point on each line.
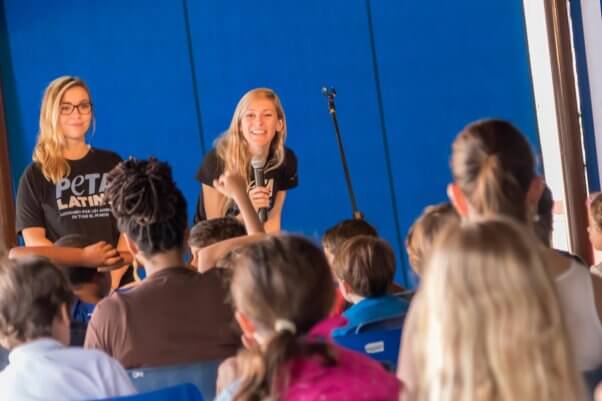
[166, 77]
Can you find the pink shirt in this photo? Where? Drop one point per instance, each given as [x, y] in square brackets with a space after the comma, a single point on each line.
[355, 377]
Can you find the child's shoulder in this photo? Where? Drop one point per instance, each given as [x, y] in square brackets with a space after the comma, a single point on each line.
[354, 377]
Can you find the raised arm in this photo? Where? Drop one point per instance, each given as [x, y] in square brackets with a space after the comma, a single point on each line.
[213, 202]
[233, 186]
[208, 257]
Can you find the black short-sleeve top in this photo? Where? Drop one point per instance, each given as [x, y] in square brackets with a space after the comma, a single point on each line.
[282, 178]
[74, 205]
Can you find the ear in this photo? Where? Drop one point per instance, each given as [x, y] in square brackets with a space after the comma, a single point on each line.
[536, 188]
[345, 289]
[457, 199]
[247, 326]
[280, 125]
[60, 325]
[329, 256]
[63, 314]
[193, 256]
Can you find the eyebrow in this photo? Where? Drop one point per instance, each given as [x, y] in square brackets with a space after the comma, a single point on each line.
[80, 102]
[262, 110]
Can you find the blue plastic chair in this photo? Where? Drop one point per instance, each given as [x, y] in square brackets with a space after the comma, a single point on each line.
[182, 392]
[592, 378]
[379, 339]
[3, 358]
[203, 375]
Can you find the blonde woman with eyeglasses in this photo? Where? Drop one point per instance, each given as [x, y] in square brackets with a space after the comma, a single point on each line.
[489, 325]
[62, 191]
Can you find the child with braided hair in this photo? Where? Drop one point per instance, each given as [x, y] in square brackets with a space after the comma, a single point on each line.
[282, 290]
[175, 315]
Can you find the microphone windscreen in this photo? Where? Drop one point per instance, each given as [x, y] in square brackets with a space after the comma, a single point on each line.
[257, 162]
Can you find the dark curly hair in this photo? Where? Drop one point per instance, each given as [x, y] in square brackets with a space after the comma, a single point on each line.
[148, 206]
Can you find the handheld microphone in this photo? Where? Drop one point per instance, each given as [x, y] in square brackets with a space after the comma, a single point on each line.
[258, 164]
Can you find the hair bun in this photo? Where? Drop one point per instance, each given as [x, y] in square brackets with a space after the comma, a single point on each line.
[141, 185]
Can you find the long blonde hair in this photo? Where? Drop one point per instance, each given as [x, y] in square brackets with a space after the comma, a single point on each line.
[490, 326]
[232, 147]
[48, 152]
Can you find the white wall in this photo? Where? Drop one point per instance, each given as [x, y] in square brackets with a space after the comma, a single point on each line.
[541, 71]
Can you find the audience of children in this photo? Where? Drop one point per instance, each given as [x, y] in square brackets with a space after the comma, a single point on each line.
[282, 290]
[175, 315]
[494, 174]
[364, 267]
[35, 298]
[490, 321]
[499, 316]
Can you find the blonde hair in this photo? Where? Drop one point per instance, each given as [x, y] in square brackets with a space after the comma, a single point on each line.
[490, 326]
[48, 152]
[423, 233]
[232, 147]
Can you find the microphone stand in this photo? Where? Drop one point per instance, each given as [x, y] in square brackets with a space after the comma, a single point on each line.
[330, 93]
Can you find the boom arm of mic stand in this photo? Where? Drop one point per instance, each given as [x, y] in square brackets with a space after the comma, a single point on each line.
[333, 113]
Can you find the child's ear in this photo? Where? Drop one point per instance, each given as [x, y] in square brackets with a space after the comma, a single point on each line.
[457, 199]
[345, 289]
[63, 314]
[246, 325]
[329, 256]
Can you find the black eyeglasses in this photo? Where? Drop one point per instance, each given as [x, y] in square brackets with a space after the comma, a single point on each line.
[82, 108]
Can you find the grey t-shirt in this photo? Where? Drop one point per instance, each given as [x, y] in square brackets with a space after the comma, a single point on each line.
[74, 205]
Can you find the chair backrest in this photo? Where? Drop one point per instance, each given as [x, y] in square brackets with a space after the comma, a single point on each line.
[182, 392]
[381, 345]
[389, 323]
[201, 374]
[379, 339]
[3, 358]
[78, 333]
[592, 378]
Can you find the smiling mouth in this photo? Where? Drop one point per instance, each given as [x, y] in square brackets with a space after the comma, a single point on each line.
[258, 132]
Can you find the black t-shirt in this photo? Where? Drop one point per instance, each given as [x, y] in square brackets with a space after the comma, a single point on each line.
[282, 178]
[75, 205]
